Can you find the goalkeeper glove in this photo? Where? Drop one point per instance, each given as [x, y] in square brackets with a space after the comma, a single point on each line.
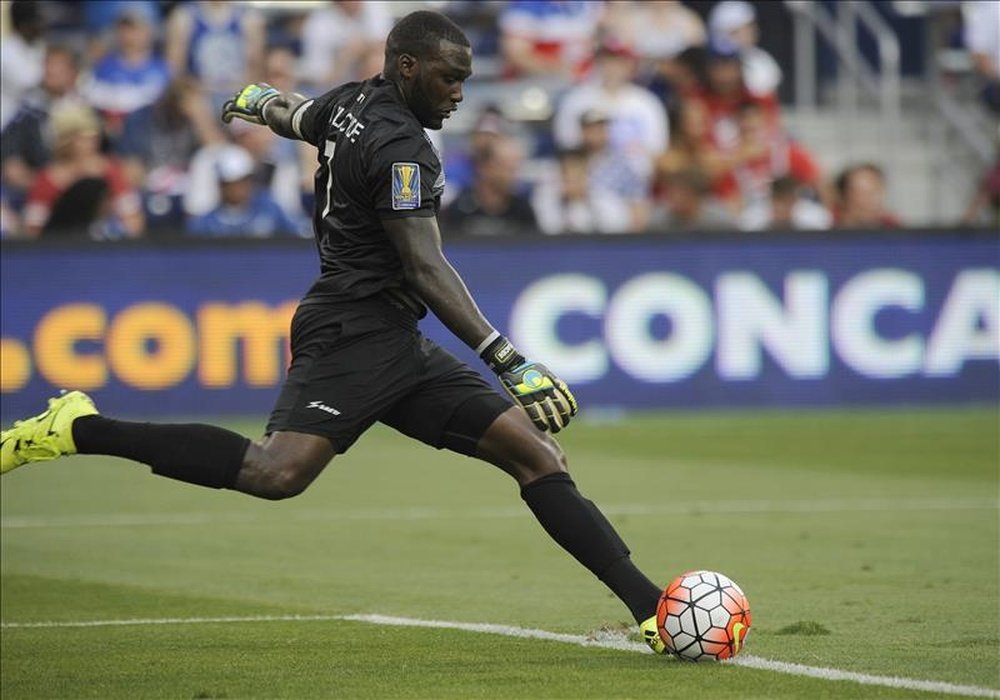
[248, 104]
[543, 396]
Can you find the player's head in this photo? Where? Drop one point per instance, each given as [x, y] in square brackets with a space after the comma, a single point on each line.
[428, 57]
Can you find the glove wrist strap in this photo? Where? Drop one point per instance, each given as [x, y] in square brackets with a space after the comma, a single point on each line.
[500, 355]
[263, 107]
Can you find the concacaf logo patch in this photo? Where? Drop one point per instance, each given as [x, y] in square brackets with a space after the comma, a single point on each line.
[405, 186]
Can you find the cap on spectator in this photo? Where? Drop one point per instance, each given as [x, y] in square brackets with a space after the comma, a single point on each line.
[594, 115]
[491, 121]
[137, 13]
[234, 163]
[610, 46]
[722, 48]
[730, 15]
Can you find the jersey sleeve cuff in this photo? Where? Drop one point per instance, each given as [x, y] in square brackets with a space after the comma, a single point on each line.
[297, 118]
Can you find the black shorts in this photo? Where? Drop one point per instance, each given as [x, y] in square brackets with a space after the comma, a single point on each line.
[355, 363]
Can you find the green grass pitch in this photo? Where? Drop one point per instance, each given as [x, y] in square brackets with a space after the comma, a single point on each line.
[867, 541]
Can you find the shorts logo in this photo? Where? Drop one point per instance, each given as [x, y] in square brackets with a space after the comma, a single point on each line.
[323, 407]
[405, 186]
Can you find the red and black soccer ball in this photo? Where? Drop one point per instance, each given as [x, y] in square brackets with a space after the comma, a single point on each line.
[703, 616]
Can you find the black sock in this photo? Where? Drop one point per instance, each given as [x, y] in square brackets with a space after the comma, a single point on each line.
[198, 454]
[580, 528]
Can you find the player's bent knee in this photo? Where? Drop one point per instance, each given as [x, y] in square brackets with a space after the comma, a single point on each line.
[545, 457]
[554, 460]
[278, 478]
[282, 465]
[515, 445]
[286, 484]
[292, 477]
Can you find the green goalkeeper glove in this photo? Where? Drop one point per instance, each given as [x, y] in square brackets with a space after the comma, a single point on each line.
[248, 104]
[543, 396]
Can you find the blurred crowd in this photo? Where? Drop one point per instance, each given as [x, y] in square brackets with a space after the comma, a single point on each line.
[663, 119]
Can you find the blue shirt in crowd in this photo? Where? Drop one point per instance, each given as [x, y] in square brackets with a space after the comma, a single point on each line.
[119, 87]
[262, 217]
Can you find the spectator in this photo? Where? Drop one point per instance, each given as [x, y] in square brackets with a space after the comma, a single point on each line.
[763, 152]
[101, 16]
[661, 32]
[656, 29]
[219, 43]
[689, 206]
[676, 76]
[479, 21]
[982, 37]
[159, 142]
[860, 191]
[276, 169]
[566, 202]
[81, 191]
[787, 208]
[339, 40]
[25, 145]
[723, 94]
[638, 120]
[492, 204]
[132, 76]
[245, 209]
[459, 164]
[735, 22]
[986, 199]
[548, 38]
[22, 54]
[611, 172]
[691, 146]
[280, 70]
[282, 166]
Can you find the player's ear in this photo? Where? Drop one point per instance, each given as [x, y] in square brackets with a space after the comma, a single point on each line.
[407, 65]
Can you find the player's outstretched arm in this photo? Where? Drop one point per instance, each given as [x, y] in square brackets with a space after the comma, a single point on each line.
[546, 398]
[260, 103]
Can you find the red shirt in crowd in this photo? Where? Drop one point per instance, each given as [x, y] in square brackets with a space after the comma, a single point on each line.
[52, 182]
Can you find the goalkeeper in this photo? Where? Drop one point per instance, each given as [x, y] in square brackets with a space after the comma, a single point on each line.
[357, 354]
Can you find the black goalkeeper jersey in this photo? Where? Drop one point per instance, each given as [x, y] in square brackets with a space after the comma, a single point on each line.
[375, 163]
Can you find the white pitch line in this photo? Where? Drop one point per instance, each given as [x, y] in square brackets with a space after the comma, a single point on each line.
[833, 674]
[139, 621]
[607, 640]
[604, 641]
[742, 507]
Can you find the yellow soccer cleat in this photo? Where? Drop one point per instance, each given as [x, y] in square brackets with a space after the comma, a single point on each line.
[45, 436]
[651, 635]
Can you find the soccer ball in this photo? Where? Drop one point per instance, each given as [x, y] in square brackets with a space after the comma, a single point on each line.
[703, 616]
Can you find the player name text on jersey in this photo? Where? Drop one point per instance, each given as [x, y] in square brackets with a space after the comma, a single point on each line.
[347, 124]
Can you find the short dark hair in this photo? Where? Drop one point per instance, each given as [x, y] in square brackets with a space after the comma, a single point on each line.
[420, 33]
[567, 155]
[25, 14]
[784, 187]
[844, 179]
